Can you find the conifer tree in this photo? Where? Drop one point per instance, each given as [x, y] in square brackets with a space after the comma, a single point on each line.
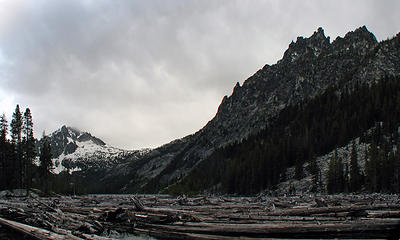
[298, 170]
[3, 152]
[396, 177]
[16, 126]
[372, 168]
[28, 147]
[314, 170]
[16, 133]
[3, 128]
[312, 166]
[388, 173]
[346, 187]
[355, 175]
[27, 127]
[331, 175]
[340, 176]
[335, 175]
[45, 164]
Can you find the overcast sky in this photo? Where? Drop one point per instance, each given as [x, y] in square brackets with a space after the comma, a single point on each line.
[142, 73]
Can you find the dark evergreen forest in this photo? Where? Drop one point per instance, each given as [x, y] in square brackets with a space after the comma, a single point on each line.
[18, 153]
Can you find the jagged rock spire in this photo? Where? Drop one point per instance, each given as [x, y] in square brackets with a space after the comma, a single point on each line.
[313, 45]
[359, 42]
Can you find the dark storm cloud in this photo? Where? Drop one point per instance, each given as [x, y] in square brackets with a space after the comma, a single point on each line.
[141, 73]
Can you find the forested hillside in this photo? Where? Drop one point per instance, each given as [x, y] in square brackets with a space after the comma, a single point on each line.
[301, 133]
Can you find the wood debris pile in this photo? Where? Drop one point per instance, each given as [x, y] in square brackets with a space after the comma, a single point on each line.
[203, 217]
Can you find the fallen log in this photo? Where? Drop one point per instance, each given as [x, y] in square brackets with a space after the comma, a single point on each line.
[335, 209]
[34, 232]
[47, 206]
[384, 229]
[43, 234]
[138, 204]
[384, 214]
[184, 236]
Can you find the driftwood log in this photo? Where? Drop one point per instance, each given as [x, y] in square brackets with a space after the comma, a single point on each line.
[203, 217]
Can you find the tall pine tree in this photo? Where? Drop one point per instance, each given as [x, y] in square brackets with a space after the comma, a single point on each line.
[4, 149]
[355, 175]
[16, 126]
[3, 128]
[314, 170]
[16, 134]
[29, 152]
[335, 175]
[45, 164]
[372, 166]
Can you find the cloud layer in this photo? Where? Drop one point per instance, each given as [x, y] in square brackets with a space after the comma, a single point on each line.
[142, 73]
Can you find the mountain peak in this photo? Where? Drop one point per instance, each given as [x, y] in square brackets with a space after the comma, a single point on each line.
[307, 47]
[362, 29]
[319, 34]
[80, 150]
[359, 42]
[362, 33]
[67, 131]
[66, 140]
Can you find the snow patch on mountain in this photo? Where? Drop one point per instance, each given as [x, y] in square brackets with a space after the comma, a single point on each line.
[74, 150]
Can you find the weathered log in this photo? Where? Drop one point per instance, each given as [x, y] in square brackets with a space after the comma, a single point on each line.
[35, 232]
[352, 229]
[47, 206]
[385, 214]
[157, 233]
[335, 209]
[138, 204]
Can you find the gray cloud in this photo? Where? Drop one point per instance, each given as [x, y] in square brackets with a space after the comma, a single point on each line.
[142, 73]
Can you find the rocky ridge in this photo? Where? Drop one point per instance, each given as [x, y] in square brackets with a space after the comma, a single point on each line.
[308, 67]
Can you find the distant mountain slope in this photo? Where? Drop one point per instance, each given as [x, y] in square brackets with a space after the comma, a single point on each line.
[79, 151]
[309, 67]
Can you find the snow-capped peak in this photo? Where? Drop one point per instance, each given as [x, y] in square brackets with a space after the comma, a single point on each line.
[75, 150]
